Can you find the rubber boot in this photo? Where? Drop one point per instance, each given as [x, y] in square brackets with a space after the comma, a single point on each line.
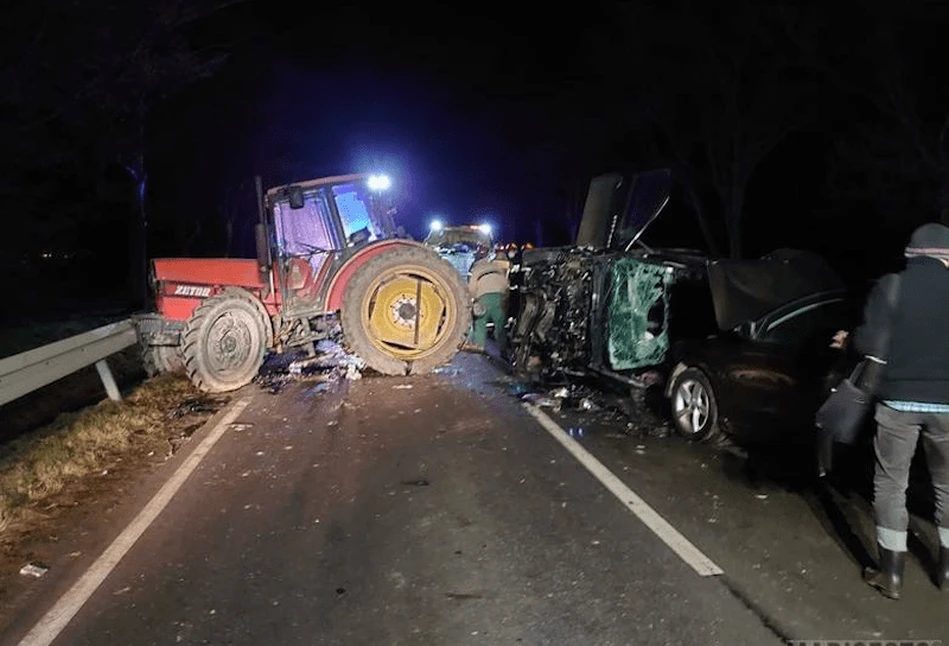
[942, 574]
[888, 579]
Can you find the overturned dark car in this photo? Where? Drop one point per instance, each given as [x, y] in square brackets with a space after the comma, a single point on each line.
[727, 342]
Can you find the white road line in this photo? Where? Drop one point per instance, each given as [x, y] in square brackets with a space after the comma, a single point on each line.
[668, 534]
[59, 616]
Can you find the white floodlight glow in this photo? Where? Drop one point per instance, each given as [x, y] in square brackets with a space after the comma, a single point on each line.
[379, 182]
[436, 225]
[485, 229]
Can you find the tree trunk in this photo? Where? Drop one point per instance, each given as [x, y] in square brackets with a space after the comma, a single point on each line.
[942, 199]
[229, 237]
[735, 205]
[138, 251]
[733, 220]
[702, 218]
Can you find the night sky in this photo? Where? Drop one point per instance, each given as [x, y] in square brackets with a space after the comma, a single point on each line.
[479, 113]
[469, 118]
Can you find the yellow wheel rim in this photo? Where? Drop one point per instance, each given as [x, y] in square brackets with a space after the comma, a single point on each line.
[408, 311]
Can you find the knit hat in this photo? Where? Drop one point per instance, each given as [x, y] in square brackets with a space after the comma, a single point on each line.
[929, 240]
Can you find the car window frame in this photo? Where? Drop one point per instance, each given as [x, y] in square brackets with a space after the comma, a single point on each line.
[792, 310]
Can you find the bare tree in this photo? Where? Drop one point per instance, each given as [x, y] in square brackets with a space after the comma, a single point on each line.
[895, 147]
[82, 79]
[720, 90]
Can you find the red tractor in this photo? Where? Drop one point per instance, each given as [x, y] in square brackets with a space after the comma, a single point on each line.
[329, 261]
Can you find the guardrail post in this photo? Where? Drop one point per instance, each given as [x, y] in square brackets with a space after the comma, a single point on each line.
[105, 374]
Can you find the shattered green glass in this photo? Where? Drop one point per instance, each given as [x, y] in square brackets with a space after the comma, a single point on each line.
[637, 288]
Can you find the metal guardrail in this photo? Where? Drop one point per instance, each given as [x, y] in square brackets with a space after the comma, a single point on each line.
[31, 370]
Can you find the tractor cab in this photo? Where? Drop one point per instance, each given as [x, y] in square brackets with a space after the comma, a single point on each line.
[310, 229]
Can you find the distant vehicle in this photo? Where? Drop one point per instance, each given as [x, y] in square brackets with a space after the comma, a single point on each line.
[611, 305]
[329, 259]
[460, 245]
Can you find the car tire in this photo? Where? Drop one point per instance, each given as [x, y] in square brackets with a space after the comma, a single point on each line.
[694, 406]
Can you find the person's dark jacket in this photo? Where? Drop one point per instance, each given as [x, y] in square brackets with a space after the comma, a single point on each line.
[917, 355]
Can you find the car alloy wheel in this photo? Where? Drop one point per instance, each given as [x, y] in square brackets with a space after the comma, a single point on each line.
[694, 408]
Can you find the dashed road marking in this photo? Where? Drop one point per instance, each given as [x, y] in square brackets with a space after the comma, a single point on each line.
[668, 534]
[63, 611]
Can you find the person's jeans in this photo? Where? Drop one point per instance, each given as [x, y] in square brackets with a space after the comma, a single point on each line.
[494, 313]
[894, 444]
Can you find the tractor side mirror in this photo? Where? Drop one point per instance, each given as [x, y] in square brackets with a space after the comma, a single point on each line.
[360, 237]
[263, 248]
[296, 197]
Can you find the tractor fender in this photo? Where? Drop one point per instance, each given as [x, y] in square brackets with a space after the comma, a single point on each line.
[338, 283]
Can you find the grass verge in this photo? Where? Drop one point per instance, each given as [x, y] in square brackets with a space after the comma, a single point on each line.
[39, 468]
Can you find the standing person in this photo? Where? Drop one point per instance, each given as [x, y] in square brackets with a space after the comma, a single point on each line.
[488, 284]
[913, 397]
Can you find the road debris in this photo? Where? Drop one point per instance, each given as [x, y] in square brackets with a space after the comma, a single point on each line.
[193, 405]
[418, 482]
[402, 387]
[543, 401]
[34, 569]
[330, 364]
[321, 387]
[588, 404]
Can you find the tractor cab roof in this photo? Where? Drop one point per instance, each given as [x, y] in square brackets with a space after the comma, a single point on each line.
[279, 192]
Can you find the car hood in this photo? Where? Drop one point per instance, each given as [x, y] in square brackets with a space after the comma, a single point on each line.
[746, 290]
[619, 208]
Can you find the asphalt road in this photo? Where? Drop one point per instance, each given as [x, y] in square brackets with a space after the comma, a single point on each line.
[435, 510]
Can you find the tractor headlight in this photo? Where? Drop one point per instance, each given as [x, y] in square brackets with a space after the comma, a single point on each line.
[379, 182]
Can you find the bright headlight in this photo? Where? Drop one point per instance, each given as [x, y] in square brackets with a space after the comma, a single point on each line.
[379, 182]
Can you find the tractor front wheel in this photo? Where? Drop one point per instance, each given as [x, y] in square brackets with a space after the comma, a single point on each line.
[406, 311]
[224, 342]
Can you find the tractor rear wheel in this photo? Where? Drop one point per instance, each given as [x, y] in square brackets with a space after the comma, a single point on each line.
[224, 342]
[161, 359]
[406, 311]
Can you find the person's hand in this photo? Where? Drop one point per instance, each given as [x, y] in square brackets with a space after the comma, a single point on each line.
[840, 340]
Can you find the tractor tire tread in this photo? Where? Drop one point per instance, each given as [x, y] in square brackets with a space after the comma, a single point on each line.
[192, 350]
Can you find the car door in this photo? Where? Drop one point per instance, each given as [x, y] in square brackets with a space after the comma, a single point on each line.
[778, 375]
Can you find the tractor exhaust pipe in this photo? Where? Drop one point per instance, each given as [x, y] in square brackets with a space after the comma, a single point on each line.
[263, 246]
